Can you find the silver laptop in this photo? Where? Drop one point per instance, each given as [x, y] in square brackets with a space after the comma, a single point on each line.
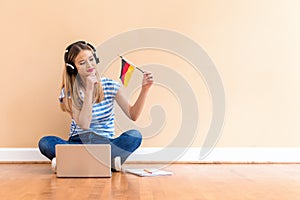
[83, 160]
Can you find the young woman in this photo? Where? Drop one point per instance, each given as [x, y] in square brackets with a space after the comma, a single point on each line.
[89, 99]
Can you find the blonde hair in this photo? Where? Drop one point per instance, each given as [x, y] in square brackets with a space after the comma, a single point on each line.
[72, 84]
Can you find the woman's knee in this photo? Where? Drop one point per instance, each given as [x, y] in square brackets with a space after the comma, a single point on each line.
[135, 137]
[44, 142]
[47, 143]
[135, 134]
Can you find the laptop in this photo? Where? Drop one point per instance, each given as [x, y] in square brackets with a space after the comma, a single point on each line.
[83, 160]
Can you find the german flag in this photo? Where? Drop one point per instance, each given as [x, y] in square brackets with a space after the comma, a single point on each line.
[126, 72]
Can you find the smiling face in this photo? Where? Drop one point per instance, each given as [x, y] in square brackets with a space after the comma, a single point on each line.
[85, 63]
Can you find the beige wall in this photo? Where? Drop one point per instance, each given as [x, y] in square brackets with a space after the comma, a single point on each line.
[254, 44]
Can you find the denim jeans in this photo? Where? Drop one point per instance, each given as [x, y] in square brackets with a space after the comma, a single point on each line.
[122, 146]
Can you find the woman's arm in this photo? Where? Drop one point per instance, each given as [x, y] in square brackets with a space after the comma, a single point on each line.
[134, 111]
[83, 117]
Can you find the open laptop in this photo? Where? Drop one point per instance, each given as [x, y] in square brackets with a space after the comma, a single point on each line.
[83, 160]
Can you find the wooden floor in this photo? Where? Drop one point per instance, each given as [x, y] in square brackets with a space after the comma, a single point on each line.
[190, 181]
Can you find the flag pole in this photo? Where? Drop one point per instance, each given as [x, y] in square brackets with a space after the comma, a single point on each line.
[132, 64]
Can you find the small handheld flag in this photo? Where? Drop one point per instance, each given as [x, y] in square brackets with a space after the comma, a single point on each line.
[126, 71]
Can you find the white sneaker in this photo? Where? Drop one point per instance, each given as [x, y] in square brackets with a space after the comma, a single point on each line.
[53, 165]
[117, 163]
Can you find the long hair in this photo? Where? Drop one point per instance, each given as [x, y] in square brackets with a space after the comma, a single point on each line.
[72, 84]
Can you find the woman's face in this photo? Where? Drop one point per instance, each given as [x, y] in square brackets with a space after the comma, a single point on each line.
[85, 63]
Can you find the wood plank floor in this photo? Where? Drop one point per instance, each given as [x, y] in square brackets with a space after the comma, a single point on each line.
[190, 181]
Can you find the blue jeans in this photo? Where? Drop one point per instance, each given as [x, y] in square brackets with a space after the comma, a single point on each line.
[122, 146]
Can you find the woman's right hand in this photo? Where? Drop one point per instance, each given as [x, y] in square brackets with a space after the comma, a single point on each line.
[91, 81]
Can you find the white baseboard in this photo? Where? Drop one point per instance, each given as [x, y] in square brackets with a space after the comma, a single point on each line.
[21, 155]
[223, 155]
[227, 155]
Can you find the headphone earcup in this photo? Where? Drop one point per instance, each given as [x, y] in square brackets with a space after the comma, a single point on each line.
[96, 58]
[71, 69]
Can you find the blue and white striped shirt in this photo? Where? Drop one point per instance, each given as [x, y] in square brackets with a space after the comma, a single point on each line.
[102, 113]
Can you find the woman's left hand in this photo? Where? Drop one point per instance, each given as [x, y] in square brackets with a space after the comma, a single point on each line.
[147, 80]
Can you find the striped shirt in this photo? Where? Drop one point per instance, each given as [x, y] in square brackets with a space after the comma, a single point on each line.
[103, 116]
